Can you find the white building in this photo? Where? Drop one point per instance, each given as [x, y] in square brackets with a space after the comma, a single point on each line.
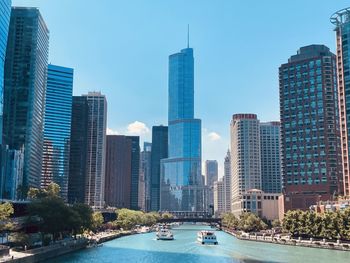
[227, 182]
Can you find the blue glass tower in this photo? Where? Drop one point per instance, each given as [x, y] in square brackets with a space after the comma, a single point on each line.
[5, 14]
[57, 127]
[181, 179]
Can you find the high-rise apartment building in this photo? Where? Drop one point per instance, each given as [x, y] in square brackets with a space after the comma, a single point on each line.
[159, 152]
[341, 20]
[181, 177]
[311, 155]
[78, 150]
[96, 149]
[57, 127]
[25, 89]
[245, 158]
[270, 157]
[118, 171]
[227, 182]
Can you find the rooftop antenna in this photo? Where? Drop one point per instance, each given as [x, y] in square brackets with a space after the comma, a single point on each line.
[188, 36]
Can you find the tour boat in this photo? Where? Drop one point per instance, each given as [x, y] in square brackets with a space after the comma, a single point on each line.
[207, 238]
[165, 234]
[144, 229]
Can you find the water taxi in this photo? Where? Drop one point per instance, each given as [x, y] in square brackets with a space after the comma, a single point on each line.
[165, 234]
[207, 238]
[144, 229]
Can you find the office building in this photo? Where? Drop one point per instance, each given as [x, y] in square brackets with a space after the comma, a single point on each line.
[25, 90]
[341, 20]
[227, 182]
[118, 171]
[181, 176]
[145, 177]
[78, 150]
[159, 152]
[245, 158]
[219, 197]
[211, 172]
[57, 127]
[96, 149]
[310, 137]
[270, 156]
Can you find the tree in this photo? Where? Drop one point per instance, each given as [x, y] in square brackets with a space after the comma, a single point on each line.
[97, 220]
[6, 210]
[229, 220]
[167, 215]
[53, 189]
[85, 213]
[250, 222]
[128, 219]
[20, 238]
[276, 223]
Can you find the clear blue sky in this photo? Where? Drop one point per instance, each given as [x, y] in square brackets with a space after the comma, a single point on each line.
[121, 48]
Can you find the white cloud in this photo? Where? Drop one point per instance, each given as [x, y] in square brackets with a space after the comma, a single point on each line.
[213, 136]
[110, 131]
[138, 128]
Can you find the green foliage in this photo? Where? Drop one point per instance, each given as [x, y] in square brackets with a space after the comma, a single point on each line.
[19, 238]
[6, 210]
[52, 190]
[127, 219]
[167, 215]
[330, 225]
[249, 222]
[85, 215]
[97, 220]
[276, 223]
[230, 220]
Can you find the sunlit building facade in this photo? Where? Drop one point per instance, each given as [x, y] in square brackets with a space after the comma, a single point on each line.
[310, 137]
[341, 20]
[181, 177]
[57, 127]
[25, 89]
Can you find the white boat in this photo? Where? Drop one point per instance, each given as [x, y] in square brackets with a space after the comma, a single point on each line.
[165, 234]
[144, 229]
[207, 238]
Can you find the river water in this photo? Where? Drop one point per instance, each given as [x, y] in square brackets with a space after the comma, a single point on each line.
[144, 248]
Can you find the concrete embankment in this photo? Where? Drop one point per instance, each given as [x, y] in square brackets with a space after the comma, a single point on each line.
[311, 243]
[101, 238]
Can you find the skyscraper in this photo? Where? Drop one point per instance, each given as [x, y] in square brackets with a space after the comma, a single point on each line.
[25, 89]
[118, 171]
[159, 152]
[145, 177]
[245, 158]
[96, 149]
[227, 182]
[5, 11]
[135, 171]
[181, 177]
[311, 156]
[57, 127]
[78, 150]
[270, 156]
[341, 20]
[211, 172]
[219, 197]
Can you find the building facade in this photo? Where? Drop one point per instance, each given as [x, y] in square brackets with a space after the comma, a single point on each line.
[310, 137]
[245, 158]
[118, 171]
[227, 182]
[96, 149]
[159, 152]
[57, 128]
[211, 172]
[341, 20]
[5, 11]
[270, 156]
[78, 150]
[135, 171]
[145, 177]
[219, 197]
[25, 89]
[181, 177]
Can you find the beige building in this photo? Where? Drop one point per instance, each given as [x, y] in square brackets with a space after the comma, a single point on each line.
[219, 198]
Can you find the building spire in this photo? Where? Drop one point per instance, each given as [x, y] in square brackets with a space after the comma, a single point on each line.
[188, 35]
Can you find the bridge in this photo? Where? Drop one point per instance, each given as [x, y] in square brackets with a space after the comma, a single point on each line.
[194, 217]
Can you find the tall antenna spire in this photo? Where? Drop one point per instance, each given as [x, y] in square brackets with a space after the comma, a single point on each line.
[188, 36]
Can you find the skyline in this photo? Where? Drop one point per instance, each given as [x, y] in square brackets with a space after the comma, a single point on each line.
[217, 37]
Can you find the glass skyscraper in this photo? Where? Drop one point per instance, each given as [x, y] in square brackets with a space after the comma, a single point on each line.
[5, 13]
[311, 153]
[341, 20]
[58, 113]
[25, 89]
[181, 177]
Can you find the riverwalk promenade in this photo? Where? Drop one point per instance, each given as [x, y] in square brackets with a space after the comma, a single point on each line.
[59, 248]
[287, 240]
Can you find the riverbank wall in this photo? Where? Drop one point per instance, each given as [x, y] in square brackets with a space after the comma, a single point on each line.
[110, 236]
[310, 243]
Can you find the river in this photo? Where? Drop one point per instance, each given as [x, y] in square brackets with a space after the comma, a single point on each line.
[144, 248]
